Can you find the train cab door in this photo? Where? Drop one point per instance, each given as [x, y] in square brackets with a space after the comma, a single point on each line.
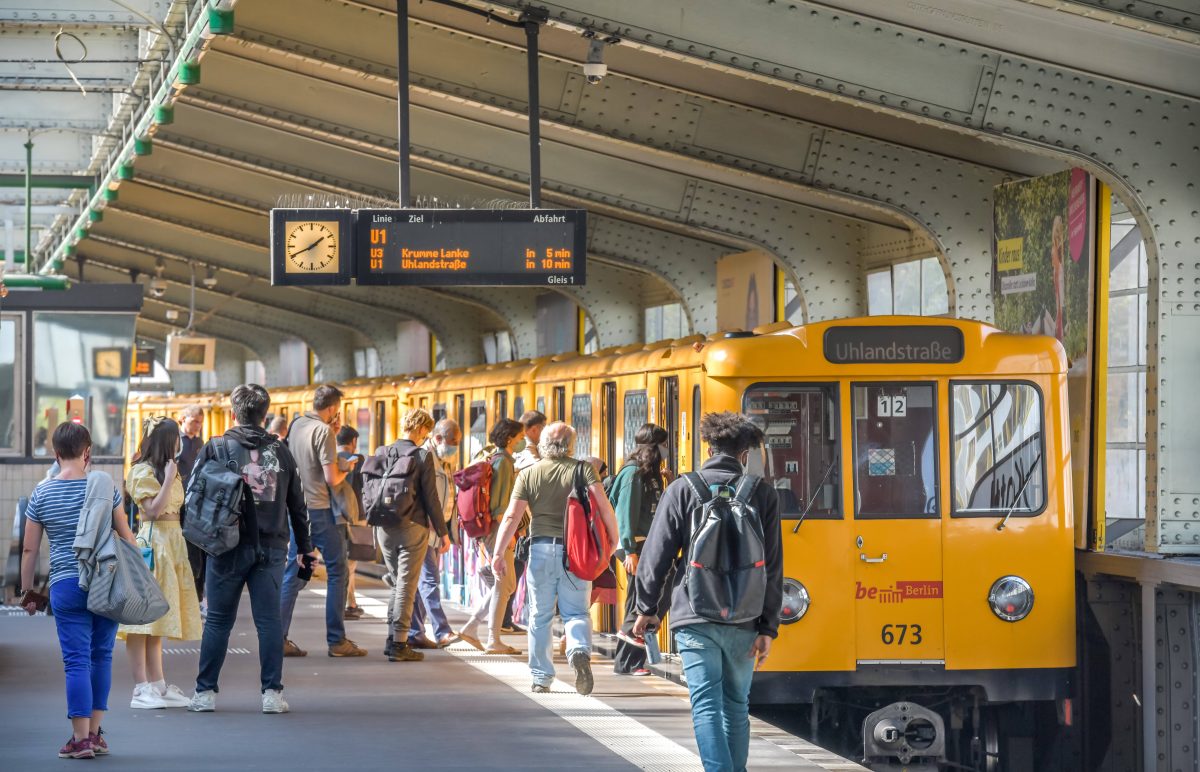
[896, 534]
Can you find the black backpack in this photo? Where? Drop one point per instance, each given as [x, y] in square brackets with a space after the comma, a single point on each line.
[388, 489]
[213, 503]
[725, 576]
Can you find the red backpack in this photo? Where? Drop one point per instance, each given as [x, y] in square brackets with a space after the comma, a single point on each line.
[588, 543]
[475, 498]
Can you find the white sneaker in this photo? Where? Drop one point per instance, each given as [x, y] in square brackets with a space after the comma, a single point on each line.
[273, 702]
[174, 697]
[203, 702]
[146, 697]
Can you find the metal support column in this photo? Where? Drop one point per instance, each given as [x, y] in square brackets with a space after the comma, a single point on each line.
[535, 130]
[1149, 684]
[28, 202]
[402, 100]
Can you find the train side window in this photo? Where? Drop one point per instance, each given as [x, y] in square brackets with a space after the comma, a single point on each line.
[581, 419]
[518, 407]
[636, 406]
[439, 411]
[380, 429]
[560, 403]
[999, 451]
[479, 428]
[895, 450]
[801, 457]
[608, 412]
[541, 405]
[363, 425]
[501, 404]
[460, 417]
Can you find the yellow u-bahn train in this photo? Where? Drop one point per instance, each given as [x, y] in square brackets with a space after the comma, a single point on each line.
[923, 468]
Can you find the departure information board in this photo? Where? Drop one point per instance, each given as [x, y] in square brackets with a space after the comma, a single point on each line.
[531, 247]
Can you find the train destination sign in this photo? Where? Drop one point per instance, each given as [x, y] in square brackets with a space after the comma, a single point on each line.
[904, 344]
[534, 247]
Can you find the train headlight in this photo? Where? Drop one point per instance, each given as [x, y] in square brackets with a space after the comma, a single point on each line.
[795, 601]
[1011, 598]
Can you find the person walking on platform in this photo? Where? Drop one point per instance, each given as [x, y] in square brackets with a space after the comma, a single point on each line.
[278, 426]
[257, 562]
[347, 505]
[55, 509]
[534, 422]
[405, 543]
[443, 445]
[543, 489]
[508, 437]
[312, 442]
[154, 485]
[635, 493]
[190, 425]
[719, 659]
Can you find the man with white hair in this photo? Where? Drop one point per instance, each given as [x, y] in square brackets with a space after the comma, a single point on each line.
[543, 489]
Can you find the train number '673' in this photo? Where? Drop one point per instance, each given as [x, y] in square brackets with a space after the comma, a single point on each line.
[898, 635]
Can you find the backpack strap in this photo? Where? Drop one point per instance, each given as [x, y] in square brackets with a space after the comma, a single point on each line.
[699, 486]
[745, 488]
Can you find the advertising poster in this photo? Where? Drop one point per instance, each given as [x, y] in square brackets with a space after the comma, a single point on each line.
[1043, 258]
[745, 290]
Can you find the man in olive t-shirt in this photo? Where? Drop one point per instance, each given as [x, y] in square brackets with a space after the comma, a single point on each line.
[544, 488]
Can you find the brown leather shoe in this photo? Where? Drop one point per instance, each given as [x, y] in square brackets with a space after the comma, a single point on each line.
[422, 643]
[346, 648]
[292, 650]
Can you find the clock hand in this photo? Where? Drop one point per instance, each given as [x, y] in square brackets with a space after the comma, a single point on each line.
[310, 246]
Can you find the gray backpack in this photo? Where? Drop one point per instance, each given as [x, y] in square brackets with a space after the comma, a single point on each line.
[214, 500]
[123, 589]
[725, 576]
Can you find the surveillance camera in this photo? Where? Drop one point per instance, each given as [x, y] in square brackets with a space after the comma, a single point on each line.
[594, 71]
[157, 287]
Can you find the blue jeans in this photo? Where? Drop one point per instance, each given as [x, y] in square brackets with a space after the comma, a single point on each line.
[548, 582]
[431, 600]
[327, 537]
[86, 640]
[719, 668]
[226, 575]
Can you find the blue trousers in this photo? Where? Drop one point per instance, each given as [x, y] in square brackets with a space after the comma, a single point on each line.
[547, 583]
[226, 575]
[86, 640]
[431, 600]
[327, 537]
[718, 666]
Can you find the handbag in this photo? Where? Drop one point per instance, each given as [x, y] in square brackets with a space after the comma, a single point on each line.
[147, 547]
[362, 543]
[124, 590]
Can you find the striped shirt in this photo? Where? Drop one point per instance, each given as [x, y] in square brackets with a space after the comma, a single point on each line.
[56, 504]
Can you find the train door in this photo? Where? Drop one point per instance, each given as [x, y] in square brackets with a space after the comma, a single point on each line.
[379, 431]
[502, 404]
[608, 424]
[896, 536]
[668, 391]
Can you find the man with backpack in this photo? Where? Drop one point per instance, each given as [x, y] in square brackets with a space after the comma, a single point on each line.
[273, 498]
[400, 496]
[312, 441]
[728, 590]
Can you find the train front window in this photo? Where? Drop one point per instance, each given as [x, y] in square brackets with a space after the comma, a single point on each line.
[800, 457]
[895, 451]
[999, 450]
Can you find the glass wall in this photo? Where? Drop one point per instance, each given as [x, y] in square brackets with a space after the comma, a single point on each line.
[913, 288]
[11, 370]
[83, 376]
[1125, 465]
[666, 322]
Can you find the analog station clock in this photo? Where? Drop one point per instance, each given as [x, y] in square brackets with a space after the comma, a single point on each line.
[311, 246]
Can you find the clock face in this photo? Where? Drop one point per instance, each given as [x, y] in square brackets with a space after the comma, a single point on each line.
[312, 246]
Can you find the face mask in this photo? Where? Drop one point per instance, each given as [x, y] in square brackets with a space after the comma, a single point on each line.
[447, 451]
[519, 446]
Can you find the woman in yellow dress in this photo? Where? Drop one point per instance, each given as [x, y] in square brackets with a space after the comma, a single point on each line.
[154, 485]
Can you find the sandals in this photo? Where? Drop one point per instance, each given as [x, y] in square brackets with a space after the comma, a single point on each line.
[502, 649]
[470, 639]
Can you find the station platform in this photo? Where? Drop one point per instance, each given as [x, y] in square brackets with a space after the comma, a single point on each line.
[458, 709]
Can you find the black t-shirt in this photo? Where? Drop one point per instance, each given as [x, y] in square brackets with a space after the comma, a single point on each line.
[189, 450]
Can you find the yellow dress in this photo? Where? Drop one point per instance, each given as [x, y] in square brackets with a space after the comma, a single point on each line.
[171, 567]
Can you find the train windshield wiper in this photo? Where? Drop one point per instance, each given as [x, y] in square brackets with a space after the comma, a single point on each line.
[1016, 500]
[812, 500]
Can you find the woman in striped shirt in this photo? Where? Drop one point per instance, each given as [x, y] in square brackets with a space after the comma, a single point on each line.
[85, 638]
